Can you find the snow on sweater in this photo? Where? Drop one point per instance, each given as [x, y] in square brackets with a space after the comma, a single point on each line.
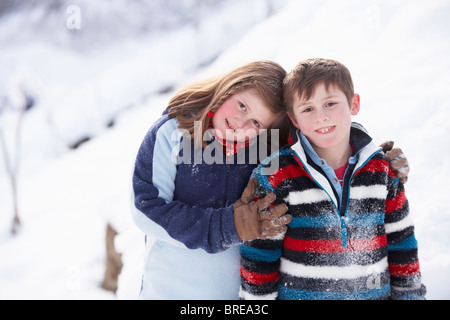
[365, 250]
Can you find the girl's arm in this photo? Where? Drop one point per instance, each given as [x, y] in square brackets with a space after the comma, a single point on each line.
[158, 215]
[194, 227]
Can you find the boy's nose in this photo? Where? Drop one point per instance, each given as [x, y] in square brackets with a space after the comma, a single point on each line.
[322, 116]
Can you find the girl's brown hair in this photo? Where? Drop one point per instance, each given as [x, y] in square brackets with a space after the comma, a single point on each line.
[193, 103]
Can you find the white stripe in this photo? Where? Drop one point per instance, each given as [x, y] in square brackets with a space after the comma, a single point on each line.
[279, 236]
[331, 272]
[248, 296]
[377, 191]
[399, 225]
[307, 196]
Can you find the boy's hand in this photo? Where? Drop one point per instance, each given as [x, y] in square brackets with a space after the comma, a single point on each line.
[254, 221]
[397, 160]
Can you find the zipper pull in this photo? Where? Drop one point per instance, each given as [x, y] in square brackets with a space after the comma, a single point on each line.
[344, 232]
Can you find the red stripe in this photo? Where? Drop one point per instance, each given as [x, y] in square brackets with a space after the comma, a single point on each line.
[334, 246]
[291, 171]
[396, 203]
[258, 278]
[404, 269]
[378, 165]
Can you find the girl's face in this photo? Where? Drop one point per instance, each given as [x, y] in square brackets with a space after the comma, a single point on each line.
[242, 116]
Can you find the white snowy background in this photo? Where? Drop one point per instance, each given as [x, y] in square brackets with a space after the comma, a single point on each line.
[87, 64]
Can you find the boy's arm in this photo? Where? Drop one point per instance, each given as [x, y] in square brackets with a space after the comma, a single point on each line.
[402, 245]
[260, 262]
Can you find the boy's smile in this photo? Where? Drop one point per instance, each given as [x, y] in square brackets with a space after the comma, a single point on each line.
[326, 130]
[325, 119]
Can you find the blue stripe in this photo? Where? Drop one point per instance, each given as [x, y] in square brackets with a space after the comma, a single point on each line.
[285, 293]
[259, 172]
[264, 181]
[261, 255]
[365, 219]
[314, 222]
[406, 244]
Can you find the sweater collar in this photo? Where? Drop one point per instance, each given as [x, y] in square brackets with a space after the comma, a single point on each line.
[359, 138]
[363, 147]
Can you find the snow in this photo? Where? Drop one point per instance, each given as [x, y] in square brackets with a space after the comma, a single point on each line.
[398, 53]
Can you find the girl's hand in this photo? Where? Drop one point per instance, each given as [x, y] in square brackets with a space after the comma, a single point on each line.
[253, 220]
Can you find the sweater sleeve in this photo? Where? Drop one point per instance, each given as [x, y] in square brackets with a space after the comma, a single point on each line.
[158, 215]
[402, 245]
[260, 259]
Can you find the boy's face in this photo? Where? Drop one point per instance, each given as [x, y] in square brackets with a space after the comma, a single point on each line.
[325, 118]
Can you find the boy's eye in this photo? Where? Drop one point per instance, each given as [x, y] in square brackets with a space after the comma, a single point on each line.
[256, 123]
[330, 104]
[308, 109]
[242, 106]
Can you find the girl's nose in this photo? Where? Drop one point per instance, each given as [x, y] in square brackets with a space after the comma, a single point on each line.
[242, 122]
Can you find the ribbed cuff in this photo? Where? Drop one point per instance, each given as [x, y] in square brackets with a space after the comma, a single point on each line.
[229, 233]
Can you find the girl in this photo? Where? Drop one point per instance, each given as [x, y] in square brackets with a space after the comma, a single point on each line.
[190, 172]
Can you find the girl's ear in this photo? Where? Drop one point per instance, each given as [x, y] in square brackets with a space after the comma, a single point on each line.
[293, 120]
[356, 104]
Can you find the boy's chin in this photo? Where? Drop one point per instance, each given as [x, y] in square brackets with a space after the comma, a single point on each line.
[324, 144]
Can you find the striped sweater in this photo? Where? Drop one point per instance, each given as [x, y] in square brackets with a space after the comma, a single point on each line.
[360, 248]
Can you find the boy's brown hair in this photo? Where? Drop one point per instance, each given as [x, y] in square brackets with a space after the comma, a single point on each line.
[304, 78]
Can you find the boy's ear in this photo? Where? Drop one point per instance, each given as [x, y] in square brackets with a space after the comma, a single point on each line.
[292, 120]
[356, 104]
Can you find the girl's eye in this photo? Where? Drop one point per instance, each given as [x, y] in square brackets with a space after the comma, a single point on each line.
[256, 123]
[242, 106]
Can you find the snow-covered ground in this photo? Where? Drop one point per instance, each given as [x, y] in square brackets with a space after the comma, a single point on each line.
[397, 51]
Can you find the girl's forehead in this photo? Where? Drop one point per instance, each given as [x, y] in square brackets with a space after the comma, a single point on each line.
[248, 92]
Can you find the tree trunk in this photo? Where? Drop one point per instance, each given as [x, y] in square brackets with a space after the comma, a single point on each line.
[113, 261]
[12, 175]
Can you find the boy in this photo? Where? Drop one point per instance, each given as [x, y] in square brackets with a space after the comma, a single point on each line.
[351, 236]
